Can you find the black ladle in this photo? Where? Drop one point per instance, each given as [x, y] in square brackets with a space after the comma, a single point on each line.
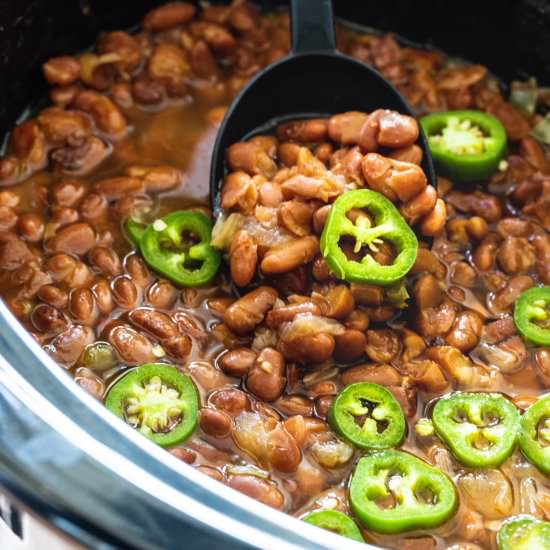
[314, 80]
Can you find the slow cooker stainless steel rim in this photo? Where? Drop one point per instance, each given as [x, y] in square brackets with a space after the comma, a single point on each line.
[84, 462]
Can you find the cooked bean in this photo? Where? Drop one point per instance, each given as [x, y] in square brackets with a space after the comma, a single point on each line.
[67, 346]
[243, 254]
[132, 347]
[345, 128]
[53, 295]
[258, 489]
[66, 269]
[237, 362]
[466, 331]
[239, 191]
[61, 70]
[232, 401]
[515, 255]
[265, 379]
[304, 131]
[77, 239]
[288, 153]
[105, 260]
[309, 348]
[48, 319]
[103, 296]
[505, 298]
[250, 158]
[388, 129]
[154, 322]
[463, 274]
[349, 346]
[411, 153]
[295, 217]
[82, 306]
[393, 178]
[383, 345]
[138, 271]
[294, 405]
[162, 295]
[289, 256]
[31, 226]
[427, 376]
[385, 375]
[284, 314]
[485, 254]
[340, 302]
[125, 292]
[427, 291]
[215, 423]
[168, 15]
[156, 178]
[115, 188]
[249, 311]
[481, 204]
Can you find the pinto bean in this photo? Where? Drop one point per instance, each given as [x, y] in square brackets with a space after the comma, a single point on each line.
[295, 217]
[94, 207]
[349, 346]
[383, 345]
[215, 423]
[485, 254]
[308, 349]
[105, 260]
[237, 362]
[250, 158]
[77, 239]
[53, 295]
[266, 378]
[514, 123]
[427, 375]
[147, 90]
[115, 188]
[283, 258]
[340, 302]
[178, 346]
[168, 16]
[387, 128]
[542, 257]
[67, 192]
[427, 291]
[154, 322]
[506, 297]
[412, 153]
[132, 347]
[288, 153]
[436, 321]
[62, 216]
[531, 150]
[345, 128]
[243, 254]
[276, 317]
[312, 188]
[82, 306]
[463, 274]
[67, 346]
[136, 268]
[65, 269]
[433, 223]
[459, 367]
[162, 295]
[61, 70]
[304, 131]
[481, 204]
[156, 178]
[258, 489]
[393, 178]
[292, 405]
[231, 400]
[385, 375]
[239, 192]
[48, 319]
[125, 292]
[103, 296]
[515, 255]
[31, 226]
[466, 331]
[247, 312]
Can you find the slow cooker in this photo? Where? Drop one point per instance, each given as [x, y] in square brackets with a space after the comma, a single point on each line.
[70, 475]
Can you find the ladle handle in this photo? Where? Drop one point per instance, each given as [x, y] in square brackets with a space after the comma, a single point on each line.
[312, 26]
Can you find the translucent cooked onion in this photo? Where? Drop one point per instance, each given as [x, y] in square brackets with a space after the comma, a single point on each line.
[528, 502]
[251, 434]
[506, 361]
[225, 229]
[246, 470]
[265, 234]
[307, 324]
[333, 453]
[489, 492]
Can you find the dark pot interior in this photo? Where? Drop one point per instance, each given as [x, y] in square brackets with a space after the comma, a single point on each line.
[511, 37]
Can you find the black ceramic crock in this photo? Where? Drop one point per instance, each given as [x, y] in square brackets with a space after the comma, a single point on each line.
[61, 454]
